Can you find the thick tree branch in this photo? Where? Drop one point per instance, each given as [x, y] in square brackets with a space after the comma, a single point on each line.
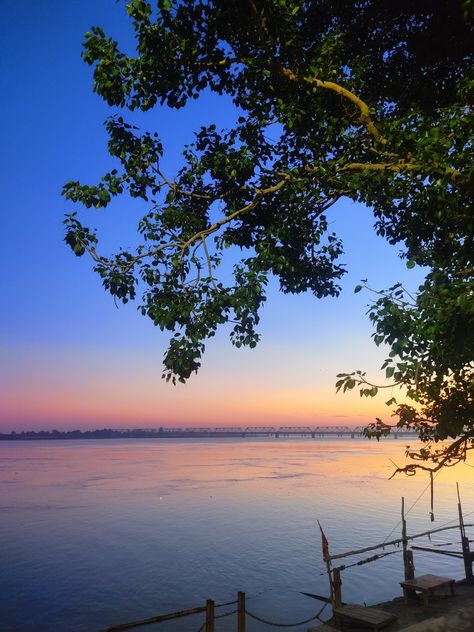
[399, 167]
[364, 110]
[241, 211]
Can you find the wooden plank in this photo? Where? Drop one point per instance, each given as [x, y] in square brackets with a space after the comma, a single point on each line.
[368, 616]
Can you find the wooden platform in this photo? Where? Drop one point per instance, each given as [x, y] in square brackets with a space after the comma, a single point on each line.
[426, 584]
[370, 617]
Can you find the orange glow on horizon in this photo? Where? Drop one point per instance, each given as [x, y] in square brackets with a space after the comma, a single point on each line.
[93, 388]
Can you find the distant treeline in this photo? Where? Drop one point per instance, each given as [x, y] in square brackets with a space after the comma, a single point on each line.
[104, 433]
[227, 432]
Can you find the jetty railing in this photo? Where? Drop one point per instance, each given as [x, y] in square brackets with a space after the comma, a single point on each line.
[210, 609]
[208, 625]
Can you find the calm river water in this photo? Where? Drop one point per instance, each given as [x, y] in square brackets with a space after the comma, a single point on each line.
[94, 533]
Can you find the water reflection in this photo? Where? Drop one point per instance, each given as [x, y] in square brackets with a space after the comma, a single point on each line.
[97, 532]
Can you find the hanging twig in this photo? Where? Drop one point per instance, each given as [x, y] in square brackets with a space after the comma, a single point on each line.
[432, 493]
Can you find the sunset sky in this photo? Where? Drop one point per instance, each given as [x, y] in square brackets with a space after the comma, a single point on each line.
[69, 357]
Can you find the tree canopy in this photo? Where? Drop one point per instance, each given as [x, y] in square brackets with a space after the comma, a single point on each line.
[368, 100]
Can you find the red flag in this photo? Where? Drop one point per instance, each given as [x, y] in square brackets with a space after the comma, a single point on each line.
[325, 544]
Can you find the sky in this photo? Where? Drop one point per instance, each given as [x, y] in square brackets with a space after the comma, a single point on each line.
[68, 357]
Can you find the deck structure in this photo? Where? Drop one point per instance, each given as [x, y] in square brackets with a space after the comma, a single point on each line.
[370, 617]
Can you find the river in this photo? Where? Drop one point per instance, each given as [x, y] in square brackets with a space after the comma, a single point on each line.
[94, 533]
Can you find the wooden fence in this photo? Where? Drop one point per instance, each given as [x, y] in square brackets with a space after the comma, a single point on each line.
[209, 609]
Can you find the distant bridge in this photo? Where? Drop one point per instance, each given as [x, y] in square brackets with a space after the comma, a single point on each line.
[273, 431]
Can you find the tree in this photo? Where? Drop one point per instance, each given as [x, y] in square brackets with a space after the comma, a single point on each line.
[369, 100]
[431, 340]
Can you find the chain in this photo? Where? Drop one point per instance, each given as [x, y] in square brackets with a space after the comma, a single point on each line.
[226, 614]
[219, 616]
[288, 625]
[227, 603]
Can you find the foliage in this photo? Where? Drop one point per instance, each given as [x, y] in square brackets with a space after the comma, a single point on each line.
[431, 341]
[365, 100]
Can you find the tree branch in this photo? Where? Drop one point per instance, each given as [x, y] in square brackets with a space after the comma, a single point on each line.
[364, 110]
[199, 236]
[448, 457]
[399, 167]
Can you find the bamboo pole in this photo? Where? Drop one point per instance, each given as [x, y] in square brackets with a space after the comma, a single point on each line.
[404, 539]
[440, 551]
[466, 551]
[339, 556]
[163, 617]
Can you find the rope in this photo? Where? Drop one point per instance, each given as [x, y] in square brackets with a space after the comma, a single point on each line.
[445, 524]
[287, 625]
[430, 484]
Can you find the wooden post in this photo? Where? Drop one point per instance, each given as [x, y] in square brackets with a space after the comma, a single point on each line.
[408, 566]
[404, 539]
[209, 615]
[466, 551]
[331, 589]
[407, 555]
[336, 581]
[241, 618]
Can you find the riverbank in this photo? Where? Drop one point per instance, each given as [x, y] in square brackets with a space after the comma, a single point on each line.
[445, 613]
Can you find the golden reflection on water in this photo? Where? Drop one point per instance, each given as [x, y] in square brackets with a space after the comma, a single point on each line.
[249, 466]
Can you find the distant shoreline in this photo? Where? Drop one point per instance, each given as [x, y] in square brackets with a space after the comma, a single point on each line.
[286, 432]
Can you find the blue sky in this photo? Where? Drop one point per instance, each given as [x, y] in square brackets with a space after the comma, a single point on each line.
[70, 358]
